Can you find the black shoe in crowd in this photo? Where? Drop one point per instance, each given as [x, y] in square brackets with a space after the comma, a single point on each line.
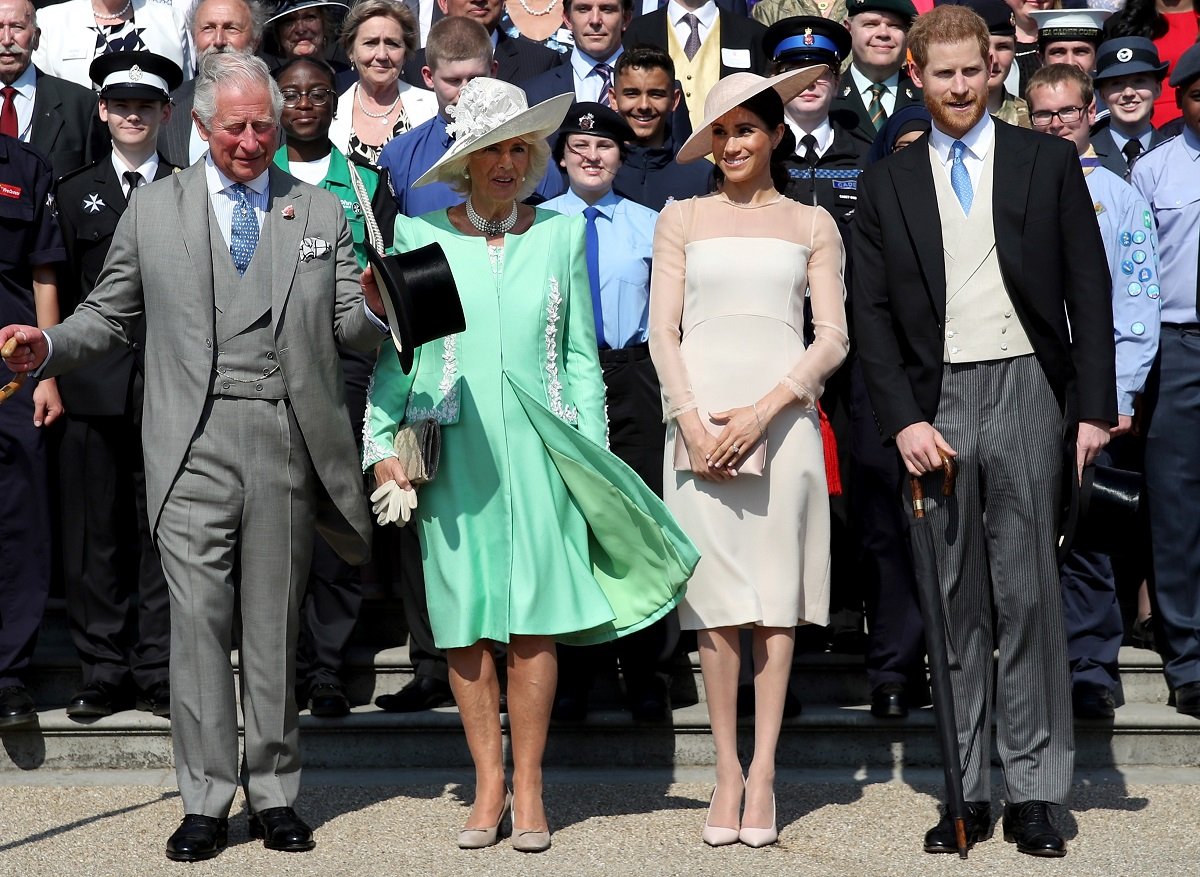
[977, 822]
[327, 700]
[16, 707]
[156, 699]
[198, 838]
[97, 699]
[889, 701]
[1028, 825]
[1091, 700]
[1187, 699]
[279, 828]
[423, 693]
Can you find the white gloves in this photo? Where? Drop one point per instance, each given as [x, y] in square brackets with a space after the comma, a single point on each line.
[392, 504]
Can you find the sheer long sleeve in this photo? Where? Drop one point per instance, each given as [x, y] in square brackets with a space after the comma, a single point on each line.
[666, 311]
[827, 295]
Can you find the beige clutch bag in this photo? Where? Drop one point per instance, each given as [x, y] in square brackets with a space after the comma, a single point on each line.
[752, 464]
[418, 447]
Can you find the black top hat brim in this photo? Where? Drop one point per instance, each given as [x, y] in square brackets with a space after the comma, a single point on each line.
[1103, 513]
[420, 297]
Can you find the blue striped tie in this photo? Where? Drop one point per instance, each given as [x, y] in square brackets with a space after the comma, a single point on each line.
[960, 179]
[243, 236]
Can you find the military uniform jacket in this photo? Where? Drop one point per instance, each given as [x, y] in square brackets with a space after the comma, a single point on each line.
[848, 98]
[833, 182]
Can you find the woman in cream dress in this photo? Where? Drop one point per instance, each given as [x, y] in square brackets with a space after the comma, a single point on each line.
[727, 298]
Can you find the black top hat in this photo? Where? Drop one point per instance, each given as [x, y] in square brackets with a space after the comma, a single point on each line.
[142, 75]
[1103, 513]
[807, 39]
[420, 297]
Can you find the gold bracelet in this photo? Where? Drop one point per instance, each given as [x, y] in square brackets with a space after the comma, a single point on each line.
[761, 430]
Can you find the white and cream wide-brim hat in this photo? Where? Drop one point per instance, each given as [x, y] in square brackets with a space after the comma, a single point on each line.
[733, 91]
[490, 111]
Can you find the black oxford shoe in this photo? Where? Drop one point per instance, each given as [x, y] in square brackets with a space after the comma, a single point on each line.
[1028, 825]
[94, 700]
[977, 822]
[888, 701]
[328, 700]
[198, 838]
[156, 699]
[1187, 699]
[423, 693]
[281, 829]
[16, 707]
[1090, 700]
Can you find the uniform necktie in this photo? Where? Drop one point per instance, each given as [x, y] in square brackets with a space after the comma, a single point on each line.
[8, 112]
[875, 109]
[605, 74]
[132, 178]
[1131, 150]
[592, 240]
[960, 179]
[809, 146]
[243, 236]
[692, 46]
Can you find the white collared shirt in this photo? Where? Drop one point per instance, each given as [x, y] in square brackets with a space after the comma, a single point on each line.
[26, 86]
[707, 14]
[863, 85]
[587, 79]
[978, 141]
[823, 134]
[223, 198]
[148, 169]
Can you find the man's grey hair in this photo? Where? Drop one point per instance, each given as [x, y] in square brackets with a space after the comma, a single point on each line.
[231, 70]
[258, 19]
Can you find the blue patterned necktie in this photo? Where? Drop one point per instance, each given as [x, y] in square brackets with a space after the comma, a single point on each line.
[243, 235]
[592, 239]
[605, 73]
[960, 179]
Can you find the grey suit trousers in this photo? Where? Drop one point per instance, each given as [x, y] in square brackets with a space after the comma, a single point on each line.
[995, 545]
[236, 534]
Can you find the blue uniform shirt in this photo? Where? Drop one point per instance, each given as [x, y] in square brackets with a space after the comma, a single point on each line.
[1132, 251]
[408, 156]
[29, 233]
[625, 230]
[1168, 177]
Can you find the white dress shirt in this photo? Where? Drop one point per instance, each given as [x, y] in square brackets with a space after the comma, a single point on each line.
[224, 199]
[707, 14]
[978, 141]
[147, 169]
[823, 134]
[26, 86]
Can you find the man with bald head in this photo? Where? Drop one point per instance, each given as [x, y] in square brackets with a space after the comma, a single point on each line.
[246, 280]
[215, 26]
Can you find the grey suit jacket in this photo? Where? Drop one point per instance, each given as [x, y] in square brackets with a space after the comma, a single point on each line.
[160, 266]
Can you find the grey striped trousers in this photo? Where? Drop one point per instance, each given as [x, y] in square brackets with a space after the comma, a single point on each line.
[995, 543]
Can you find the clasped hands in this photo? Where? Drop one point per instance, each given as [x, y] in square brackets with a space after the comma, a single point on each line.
[715, 457]
[394, 499]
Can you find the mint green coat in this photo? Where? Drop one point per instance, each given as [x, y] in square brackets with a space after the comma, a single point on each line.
[532, 526]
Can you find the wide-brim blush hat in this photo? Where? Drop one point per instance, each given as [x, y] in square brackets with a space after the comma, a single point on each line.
[733, 91]
[490, 111]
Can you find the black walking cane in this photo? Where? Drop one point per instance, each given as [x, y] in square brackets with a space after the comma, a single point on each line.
[930, 593]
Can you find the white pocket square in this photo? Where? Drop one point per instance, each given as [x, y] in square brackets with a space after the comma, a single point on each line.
[314, 248]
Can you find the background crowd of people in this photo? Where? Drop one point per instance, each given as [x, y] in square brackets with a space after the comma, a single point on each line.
[700, 252]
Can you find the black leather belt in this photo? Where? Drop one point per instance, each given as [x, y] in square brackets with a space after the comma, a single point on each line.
[633, 353]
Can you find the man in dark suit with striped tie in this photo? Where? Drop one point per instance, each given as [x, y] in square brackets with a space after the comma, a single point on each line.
[876, 83]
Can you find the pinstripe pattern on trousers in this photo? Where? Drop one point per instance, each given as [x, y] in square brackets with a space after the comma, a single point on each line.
[995, 546]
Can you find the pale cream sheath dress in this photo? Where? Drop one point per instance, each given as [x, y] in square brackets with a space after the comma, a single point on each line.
[726, 326]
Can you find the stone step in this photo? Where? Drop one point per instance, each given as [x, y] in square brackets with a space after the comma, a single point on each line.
[1142, 734]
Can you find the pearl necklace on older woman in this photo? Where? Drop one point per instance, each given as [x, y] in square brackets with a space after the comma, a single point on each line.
[382, 117]
[491, 227]
[112, 16]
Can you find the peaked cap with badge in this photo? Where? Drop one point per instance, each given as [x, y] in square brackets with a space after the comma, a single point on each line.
[135, 75]
[807, 39]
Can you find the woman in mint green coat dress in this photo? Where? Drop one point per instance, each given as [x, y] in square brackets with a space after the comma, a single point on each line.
[532, 531]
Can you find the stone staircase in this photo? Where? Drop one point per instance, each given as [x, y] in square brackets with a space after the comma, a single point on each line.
[835, 729]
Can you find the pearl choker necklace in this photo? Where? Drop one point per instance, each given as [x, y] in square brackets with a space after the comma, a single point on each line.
[113, 16]
[545, 11]
[382, 117]
[491, 227]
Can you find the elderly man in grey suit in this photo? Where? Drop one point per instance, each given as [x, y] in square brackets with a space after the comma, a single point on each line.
[246, 280]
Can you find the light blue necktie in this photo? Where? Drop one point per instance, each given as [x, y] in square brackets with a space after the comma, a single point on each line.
[960, 179]
[592, 240]
[243, 235]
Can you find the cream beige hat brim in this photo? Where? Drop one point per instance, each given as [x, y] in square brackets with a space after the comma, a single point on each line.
[536, 123]
[734, 90]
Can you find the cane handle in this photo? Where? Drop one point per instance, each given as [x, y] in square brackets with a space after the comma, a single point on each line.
[10, 389]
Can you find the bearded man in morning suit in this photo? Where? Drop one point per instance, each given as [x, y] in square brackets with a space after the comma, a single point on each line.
[962, 301]
[246, 280]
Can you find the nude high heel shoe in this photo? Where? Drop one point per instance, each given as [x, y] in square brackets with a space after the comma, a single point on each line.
[478, 838]
[760, 837]
[526, 840]
[717, 835]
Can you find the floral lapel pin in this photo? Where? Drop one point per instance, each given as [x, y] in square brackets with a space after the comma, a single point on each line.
[289, 212]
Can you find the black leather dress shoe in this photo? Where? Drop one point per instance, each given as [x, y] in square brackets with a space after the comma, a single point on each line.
[1028, 825]
[1091, 700]
[423, 693]
[96, 699]
[977, 822]
[328, 701]
[156, 699]
[281, 829]
[888, 701]
[1187, 699]
[198, 838]
[16, 707]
